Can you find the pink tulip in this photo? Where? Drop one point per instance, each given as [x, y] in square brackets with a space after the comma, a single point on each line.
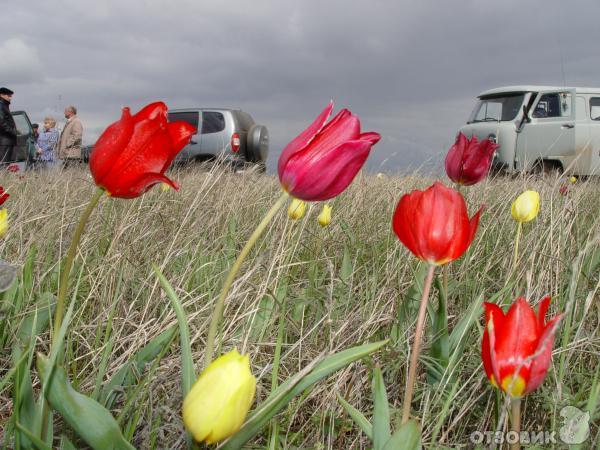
[468, 161]
[323, 160]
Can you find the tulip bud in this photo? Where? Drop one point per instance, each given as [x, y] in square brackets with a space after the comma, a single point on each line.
[164, 187]
[3, 222]
[526, 207]
[217, 405]
[296, 209]
[324, 218]
[573, 180]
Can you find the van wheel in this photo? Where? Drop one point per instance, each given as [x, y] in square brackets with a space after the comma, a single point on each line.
[547, 167]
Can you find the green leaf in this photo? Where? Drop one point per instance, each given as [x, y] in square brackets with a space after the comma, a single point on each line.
[381, 412]
[279, 398]
[439, 352]
[90, 420]
[36, 441]
[346, 269]
[408, 305]
[358, 417]
[187, 363]
[127, 374]
[407, 437]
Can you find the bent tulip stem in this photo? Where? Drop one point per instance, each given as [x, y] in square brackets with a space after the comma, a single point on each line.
[515, 421]
[517, 238]
[416, 348]
[220, 305]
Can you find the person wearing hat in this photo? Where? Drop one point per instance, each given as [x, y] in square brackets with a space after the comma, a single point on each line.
[8, 129]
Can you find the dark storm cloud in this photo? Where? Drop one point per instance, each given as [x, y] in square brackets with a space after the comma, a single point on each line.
[410, 69]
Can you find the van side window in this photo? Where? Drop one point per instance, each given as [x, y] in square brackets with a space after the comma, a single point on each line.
[595, 108]
[553, 105]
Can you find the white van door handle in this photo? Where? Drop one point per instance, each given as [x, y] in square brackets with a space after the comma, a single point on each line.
[567, 125]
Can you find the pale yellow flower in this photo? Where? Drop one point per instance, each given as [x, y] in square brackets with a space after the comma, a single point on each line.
[3, 222]
[217, 405]
[573, 180]
[164, 187]
[526, 207]
[324, 218]
[296, 209]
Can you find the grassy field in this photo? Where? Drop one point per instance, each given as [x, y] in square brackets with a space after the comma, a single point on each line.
[350, 283]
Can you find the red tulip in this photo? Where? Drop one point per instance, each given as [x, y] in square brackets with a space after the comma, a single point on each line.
[324, 159]
[133, 153]
[517, 347]
[3, 195]
[468, 161]
[434, 224]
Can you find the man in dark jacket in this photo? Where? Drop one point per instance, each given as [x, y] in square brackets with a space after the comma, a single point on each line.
[8, 129]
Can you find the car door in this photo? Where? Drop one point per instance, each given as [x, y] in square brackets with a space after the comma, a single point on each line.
[550, 133]
[213, 139]
[24, 133]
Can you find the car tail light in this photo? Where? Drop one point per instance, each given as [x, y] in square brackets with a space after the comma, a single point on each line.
[235, 142]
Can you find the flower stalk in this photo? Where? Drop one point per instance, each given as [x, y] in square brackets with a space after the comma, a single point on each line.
[66, 270]
[515, 421]
[220, 305]
[416, 348]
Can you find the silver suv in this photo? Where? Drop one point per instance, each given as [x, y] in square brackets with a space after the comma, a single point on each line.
[230, 133]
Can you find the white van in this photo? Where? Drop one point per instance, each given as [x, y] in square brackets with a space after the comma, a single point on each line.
[540, 128]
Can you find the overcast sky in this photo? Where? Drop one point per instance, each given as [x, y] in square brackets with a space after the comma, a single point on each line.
[409, 69]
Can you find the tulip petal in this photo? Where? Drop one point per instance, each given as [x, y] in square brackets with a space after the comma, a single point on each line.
[491, 327]
[342, 128]
[403, 219]
[491, 309]
[180, 133]
[156, 110]
[303, 139]
[326, 175]
[110, 144]
[370, 136]
[137, 187]
[543, 309]
[542, 356]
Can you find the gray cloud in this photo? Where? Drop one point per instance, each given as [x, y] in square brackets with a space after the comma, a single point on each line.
[409, 69]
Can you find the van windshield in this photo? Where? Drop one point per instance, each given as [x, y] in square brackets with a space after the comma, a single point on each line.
[497, 108]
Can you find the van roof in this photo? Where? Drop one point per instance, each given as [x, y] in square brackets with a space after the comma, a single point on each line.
[536, 88]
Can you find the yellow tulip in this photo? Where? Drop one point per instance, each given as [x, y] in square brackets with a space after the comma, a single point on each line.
[3, 222]
[296, 209]
[573, 180]
[526, 207]
[164, 187]
[324, 218]
[217, 405]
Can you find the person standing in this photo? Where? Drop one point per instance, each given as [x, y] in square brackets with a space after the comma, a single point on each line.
[8, 129]
[46, 143]
[69, 146]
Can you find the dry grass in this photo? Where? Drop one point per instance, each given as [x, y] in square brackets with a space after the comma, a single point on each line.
[344, 285]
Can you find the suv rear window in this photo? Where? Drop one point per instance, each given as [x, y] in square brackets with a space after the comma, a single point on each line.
[212, 122]
[189, 117]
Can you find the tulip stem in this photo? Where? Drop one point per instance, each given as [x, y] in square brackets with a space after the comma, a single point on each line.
[63, 284]
[515, 421]
[416, 348]
[63, 287]
[517, 238]
[220, 305]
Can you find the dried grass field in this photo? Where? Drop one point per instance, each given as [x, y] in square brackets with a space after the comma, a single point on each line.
[347, 284]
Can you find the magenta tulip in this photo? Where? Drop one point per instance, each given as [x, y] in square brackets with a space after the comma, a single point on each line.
[323, 160]
[468, 161]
